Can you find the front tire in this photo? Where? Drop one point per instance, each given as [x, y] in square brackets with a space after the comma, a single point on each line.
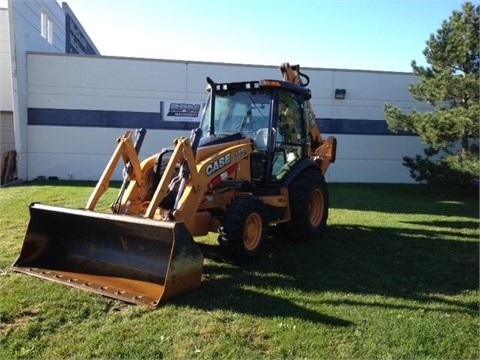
[309, 203]
[244, 230]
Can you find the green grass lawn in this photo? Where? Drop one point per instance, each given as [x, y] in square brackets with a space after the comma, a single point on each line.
[395, 276]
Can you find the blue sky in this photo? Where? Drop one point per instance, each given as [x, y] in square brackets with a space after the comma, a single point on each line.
[348, 34]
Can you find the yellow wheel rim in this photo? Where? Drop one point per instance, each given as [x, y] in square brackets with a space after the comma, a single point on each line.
[316, 208]
[252, 231]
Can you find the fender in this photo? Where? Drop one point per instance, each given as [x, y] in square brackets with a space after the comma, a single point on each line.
[303, 164]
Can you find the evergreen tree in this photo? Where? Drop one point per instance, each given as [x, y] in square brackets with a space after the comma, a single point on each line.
[450, 83]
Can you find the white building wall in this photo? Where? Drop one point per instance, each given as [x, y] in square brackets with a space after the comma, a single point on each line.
[373, 158]
[102, 83]
[25, 35]
[123, 86]
[368, 91]
[7, 133]
[5, 64]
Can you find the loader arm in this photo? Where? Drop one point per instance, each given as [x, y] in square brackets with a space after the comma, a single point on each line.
[201, 175]
[323, 151]
[125, 150]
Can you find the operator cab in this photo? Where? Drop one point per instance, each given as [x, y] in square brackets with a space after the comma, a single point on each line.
[272, 113]
[234, 109]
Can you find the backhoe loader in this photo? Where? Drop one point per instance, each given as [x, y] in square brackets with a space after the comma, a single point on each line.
[256, 161]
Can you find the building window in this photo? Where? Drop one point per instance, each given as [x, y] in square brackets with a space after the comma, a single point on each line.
[46, 27]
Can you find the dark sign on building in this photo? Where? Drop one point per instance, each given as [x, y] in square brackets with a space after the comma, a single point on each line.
[76, 39]
[182, 110]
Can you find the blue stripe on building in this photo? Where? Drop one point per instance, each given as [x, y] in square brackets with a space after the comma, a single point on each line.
[104, 118]
[148, 120]
[354, 126]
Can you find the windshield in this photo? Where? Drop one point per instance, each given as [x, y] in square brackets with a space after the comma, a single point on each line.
[238, 111]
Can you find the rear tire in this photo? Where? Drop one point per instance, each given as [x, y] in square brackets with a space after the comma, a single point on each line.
[309, 203]
[244, 230]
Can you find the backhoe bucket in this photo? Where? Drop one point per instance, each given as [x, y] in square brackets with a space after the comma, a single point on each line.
[137, 260]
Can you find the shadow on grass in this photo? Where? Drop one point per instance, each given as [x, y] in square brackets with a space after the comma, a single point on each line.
[240, 289]
[401, 198]
[458, 224]
[415, 265]
[407, 264]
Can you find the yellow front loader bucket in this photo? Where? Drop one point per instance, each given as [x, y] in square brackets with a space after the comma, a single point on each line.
[134, 259]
